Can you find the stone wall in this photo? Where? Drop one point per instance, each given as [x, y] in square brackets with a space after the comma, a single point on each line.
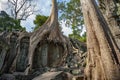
[14, 50]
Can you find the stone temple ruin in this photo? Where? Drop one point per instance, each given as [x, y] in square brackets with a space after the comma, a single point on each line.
[32, 56]
[14, 52]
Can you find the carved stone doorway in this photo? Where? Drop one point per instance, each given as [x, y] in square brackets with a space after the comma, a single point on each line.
[47, 54]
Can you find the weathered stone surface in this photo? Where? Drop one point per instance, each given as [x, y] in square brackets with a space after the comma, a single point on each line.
[47, 50]
[75, 61]
[54, 76]
[81, 77]
[13, 51]
[21, 59]
[3, 52]
[7, 77]
[47, 55]
[42, 62]
[4, 48]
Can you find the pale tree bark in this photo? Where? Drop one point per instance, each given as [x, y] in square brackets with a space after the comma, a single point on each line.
[109, 9]
[48, 44]
[102, 57]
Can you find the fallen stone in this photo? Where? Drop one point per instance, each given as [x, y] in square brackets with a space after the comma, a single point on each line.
[54, 76]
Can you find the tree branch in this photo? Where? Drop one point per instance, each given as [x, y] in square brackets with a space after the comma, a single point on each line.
[21, 6]
[11, 2]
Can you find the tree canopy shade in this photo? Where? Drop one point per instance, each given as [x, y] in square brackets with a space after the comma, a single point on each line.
[39, 21]
[8, 23]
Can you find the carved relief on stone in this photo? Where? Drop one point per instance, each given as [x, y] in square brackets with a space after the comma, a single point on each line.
[47, 55]
[21, 63]
[22, 49]
[3, 52]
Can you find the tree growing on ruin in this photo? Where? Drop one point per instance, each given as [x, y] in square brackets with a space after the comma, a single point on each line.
[48, 46]
[103, 54]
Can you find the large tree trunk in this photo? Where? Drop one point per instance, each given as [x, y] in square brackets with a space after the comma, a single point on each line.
[109, 9]
[102, 58]
[48, 46]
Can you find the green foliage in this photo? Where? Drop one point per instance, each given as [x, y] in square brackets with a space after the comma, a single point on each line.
[39, 21]
[83, 37]
[78, 37]
[8, 23]
[70, 12]
[118, 8]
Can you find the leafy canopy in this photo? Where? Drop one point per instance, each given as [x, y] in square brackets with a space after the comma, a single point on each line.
[39, 21]
[8, 23]
[70, 12]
